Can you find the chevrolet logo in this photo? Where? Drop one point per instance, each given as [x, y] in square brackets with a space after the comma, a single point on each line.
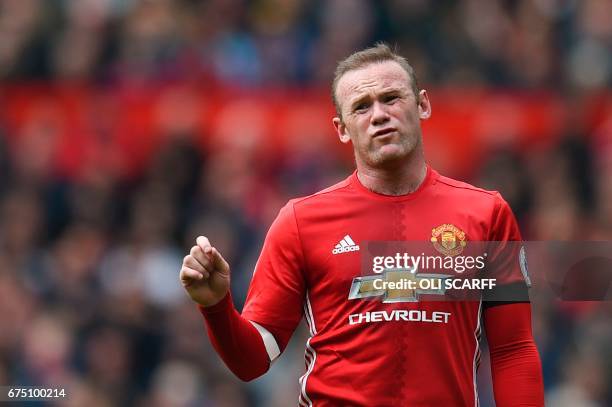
[397, 285]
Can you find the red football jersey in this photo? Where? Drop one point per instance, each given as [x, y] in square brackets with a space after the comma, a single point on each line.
[369, 351]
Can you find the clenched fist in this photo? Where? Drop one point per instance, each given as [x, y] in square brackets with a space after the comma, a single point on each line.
[205, 274]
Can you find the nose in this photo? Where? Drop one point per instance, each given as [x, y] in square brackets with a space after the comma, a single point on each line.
[379, 114]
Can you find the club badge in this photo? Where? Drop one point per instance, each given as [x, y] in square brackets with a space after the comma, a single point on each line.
[448, 239]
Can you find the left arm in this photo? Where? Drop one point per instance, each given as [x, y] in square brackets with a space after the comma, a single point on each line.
[515, 362]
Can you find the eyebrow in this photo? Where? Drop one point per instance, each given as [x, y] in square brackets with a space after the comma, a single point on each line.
[360, 100]
[366, 96]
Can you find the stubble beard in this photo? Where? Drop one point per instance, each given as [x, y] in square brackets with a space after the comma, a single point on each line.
[375, 156]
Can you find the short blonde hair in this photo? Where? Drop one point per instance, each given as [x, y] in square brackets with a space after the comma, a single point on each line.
[380, 52]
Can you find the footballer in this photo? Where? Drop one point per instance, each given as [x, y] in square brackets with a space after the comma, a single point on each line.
[370, 351]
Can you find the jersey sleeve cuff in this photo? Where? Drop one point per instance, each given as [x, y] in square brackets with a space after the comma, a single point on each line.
[222, 306]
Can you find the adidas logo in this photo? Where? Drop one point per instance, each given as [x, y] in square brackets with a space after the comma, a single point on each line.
[345, 245]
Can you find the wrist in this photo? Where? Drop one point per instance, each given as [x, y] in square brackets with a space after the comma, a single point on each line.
[219, 306]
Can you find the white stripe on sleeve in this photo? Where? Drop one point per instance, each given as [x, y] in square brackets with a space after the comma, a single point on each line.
[269, 342]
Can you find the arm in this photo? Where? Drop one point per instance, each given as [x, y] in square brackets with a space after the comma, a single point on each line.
[515, 362]
[248, 343]
[205, 275]
[238, 341]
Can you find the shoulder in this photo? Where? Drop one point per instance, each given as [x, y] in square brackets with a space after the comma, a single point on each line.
[323, 196]
[460, 187]
[488, 206]
[459, 190]
[296, 210]
[486, 203]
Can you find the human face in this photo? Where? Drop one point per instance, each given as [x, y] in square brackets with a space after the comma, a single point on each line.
[380, 114]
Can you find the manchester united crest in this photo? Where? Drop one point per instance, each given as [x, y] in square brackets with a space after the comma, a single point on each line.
[448, 239]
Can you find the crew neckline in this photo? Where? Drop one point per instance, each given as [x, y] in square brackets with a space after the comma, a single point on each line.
[430, 177]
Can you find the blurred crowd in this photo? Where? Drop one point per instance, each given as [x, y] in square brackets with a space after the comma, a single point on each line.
[526, 43]
[89, 292]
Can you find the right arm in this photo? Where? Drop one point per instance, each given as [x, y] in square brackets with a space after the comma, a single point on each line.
[205, 275]
[248, 343]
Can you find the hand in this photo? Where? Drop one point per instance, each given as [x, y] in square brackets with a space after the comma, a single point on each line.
[205, 274]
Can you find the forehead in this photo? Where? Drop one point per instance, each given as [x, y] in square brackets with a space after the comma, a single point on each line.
[372, 77]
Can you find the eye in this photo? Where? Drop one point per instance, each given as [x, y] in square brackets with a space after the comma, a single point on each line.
[390, 98]
[361, 107]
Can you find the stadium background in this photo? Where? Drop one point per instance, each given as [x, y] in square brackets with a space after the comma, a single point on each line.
[129, 127]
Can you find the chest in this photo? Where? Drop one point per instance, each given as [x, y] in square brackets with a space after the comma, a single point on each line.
[371, 239]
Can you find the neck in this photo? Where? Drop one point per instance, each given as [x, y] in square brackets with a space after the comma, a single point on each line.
[400, 180]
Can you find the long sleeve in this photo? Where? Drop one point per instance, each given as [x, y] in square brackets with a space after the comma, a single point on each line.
[237, 341]
[248, 343]
[515, 362]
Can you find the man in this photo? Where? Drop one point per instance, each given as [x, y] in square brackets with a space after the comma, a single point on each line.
[364, 349]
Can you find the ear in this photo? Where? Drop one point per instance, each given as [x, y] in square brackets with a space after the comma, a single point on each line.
[341, 130]
[424, 105]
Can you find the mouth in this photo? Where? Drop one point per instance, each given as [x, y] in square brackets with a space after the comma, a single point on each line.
[383, 132]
